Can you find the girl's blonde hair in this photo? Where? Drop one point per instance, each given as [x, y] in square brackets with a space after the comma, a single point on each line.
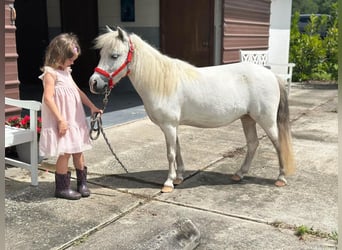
[61, 48]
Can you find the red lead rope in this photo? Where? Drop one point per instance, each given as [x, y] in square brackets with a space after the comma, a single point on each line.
[115, 73]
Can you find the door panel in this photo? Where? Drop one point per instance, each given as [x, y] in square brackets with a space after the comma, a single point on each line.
[246, 26]
[81, 18]
[186, 29]
[31, 41]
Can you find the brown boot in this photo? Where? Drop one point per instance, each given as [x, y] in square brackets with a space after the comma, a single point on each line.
[82, 182]
[63, 187]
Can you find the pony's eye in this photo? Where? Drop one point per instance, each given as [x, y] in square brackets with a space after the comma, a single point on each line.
[115, 56]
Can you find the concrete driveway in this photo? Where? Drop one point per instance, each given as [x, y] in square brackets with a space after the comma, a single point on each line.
[128, 211]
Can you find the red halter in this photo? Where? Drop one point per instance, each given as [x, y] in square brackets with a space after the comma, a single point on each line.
[110, 77]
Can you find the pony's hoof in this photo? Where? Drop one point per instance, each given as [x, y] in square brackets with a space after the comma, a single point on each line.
[177, 181]
[167, 189]
[280, 183]
[236, 178]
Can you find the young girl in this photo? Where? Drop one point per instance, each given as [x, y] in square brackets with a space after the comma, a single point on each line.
[65, 130]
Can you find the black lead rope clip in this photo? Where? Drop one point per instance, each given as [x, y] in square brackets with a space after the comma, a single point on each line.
[95, 125]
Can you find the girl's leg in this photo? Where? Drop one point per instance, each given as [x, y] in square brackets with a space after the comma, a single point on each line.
[81, 173]
[78, 160]
[62, 164]
[62, 179]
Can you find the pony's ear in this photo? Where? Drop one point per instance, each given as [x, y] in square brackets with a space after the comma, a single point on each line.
[108, 29]
[121, 34]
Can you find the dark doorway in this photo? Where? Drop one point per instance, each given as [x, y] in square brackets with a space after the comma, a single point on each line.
[31, 41]
[186, 30]
[81, 18]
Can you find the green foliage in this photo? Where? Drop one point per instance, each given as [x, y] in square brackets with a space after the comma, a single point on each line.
[303, 230]
[316, 57]
[312, 6]
[330, 43]
[307, 6]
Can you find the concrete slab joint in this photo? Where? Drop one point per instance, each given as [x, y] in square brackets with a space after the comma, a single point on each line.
[182, 235]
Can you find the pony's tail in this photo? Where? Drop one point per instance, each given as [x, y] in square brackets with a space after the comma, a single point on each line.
[284, 131]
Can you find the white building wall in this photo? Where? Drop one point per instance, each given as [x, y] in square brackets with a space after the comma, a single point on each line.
[146, 13]
[147, 24]
[279, 40]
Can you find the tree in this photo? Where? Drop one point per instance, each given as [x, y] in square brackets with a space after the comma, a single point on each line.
[304, 7]
[312, 6]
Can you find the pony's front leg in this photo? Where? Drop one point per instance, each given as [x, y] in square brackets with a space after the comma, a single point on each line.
[180, 165]
[171, 138]
[249, 129]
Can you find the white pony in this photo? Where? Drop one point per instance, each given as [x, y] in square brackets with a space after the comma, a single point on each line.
[176, 93]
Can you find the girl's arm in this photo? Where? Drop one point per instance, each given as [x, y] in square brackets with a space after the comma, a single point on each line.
[86, 101]
[48, 96]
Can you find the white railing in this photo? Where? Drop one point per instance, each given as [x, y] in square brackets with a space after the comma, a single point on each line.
[261, 57]
[15, 136]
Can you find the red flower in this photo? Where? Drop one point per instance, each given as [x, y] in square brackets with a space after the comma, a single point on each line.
[23, 122]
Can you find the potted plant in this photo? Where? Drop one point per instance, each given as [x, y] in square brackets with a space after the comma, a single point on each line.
[23, 150]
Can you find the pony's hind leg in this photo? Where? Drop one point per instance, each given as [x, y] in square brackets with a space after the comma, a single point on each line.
[249, 128]
[272, 133]
[180, 165]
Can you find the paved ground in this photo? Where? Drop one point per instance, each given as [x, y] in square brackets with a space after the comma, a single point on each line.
[128, 211]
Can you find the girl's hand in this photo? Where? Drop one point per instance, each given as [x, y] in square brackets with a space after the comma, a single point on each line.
[62, 127]
[94, 109]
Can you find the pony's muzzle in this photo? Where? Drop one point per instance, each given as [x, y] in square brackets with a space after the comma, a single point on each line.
[95, 85]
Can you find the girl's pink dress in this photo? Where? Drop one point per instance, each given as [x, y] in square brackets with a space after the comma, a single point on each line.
[69, 103]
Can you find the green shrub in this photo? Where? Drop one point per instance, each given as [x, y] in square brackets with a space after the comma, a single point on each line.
[315, 56]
